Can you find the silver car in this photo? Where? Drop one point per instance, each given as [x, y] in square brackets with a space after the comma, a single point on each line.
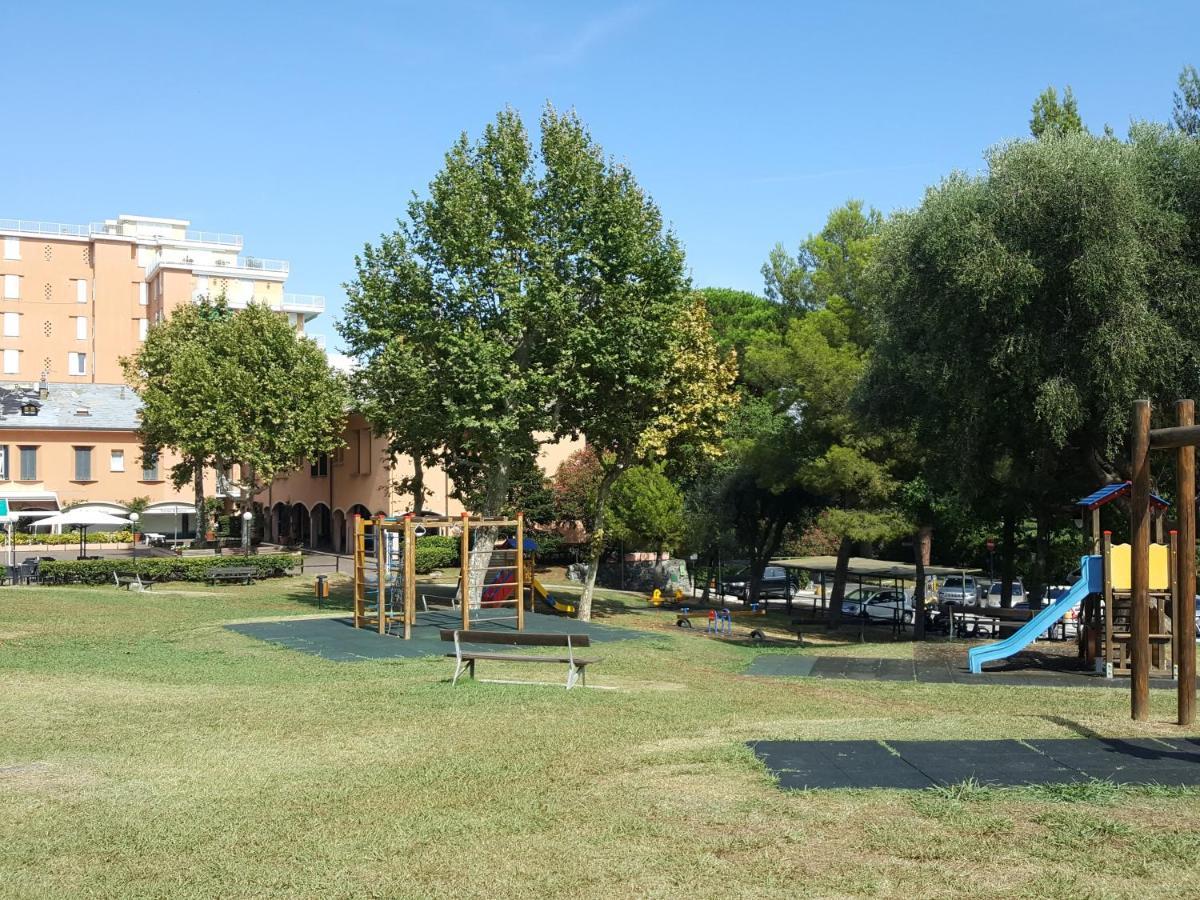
[994, 594]
[960, 589]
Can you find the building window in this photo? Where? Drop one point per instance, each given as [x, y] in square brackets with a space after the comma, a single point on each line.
[12, 248]
[12, 287]
[143, 328]
[319, 467]
[12, 362]
[144, 294]
[81, 290]
[29, 463]
[81, 328]
[12, 324]
[83, 463]
[76, 363]
[116, 461]
[3, 462]
[149, 467]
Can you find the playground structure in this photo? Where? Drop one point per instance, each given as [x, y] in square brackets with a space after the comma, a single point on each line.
[385, 583]
[1148, 618]
[1105, 636]
[385, 594]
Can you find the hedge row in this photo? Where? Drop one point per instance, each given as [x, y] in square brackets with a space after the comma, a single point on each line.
[94, 537]
[181, 568]
[436, 551]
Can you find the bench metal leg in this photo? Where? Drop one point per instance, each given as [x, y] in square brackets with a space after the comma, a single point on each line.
[573, 674]
[463, 666]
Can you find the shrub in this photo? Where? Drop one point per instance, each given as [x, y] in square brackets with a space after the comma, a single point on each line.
[436, 551]
[181, 568]
[72, 537]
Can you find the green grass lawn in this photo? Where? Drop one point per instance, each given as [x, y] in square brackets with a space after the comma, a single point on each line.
[147, 751]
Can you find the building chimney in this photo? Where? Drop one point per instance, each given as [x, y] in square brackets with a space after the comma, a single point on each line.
[44, 385]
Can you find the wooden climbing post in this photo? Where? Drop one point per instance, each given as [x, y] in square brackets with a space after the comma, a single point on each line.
[410, 577]
[519, 587]
[1185, 575]
[381, 572]
[1139, 522]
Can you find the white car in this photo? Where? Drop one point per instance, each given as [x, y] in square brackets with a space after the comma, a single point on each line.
[880, 604]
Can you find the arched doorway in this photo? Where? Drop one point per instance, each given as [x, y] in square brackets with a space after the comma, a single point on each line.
[339, 532]
[320, 528]
[280, 523]
[300, 531]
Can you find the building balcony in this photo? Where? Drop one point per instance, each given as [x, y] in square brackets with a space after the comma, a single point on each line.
[313, 304]
[220, 264]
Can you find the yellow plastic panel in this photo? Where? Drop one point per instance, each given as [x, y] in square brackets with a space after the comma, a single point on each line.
[1119, 560]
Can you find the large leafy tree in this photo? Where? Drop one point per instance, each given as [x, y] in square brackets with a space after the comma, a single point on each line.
[739, 318]
[647, 510]
[180, 393]
[224, 387]
[1077, 258]
[812, 376]
[534, 295]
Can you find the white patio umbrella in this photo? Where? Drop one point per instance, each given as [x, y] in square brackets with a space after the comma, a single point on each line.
[83, 518]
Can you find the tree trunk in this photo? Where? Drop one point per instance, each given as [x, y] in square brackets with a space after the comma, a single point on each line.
[922, 542]
[597, 545]
[198, 487]
[834, 615]
[1008, 551]
[418, 483]
[485, 536]
[1041, 564]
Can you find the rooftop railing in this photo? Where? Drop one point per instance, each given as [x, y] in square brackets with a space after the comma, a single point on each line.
[120, 229]
[28, 226]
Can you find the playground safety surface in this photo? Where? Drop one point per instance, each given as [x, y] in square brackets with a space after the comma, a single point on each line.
[925, 764]
[336, 638]
[783, 665]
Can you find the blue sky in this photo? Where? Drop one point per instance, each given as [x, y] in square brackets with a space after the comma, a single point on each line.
[306, 126]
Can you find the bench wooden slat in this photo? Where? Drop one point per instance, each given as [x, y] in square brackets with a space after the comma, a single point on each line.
[517, 638]
[520, 657]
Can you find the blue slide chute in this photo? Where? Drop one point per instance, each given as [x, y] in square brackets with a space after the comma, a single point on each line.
[1090, 582]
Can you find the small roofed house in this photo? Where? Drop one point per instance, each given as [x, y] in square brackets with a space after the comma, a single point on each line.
[65, 444]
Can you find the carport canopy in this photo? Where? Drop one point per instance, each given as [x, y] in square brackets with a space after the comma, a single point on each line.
[860, 567]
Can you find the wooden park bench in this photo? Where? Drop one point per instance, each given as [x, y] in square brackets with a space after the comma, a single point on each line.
[130, 580]
[466, 659]
[243, 574]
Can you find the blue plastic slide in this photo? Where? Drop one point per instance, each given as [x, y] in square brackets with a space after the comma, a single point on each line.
[1090, 582]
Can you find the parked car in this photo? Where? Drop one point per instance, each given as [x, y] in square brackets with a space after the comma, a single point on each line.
[994, 594]
[774, 583]
[960, 589]
[879, 603]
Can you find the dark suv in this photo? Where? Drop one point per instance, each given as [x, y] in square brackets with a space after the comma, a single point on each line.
[774, 583]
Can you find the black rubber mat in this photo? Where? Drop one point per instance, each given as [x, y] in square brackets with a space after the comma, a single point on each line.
[337, 639]
[856, 668]
[923, 764]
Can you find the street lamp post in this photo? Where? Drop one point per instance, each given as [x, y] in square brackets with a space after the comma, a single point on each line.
[247, 518]
[133, 518]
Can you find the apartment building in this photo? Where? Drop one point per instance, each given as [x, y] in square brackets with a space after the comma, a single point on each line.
[77, 298]
[74, 299]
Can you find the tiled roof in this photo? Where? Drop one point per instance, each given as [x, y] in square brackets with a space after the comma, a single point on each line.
[74, 406]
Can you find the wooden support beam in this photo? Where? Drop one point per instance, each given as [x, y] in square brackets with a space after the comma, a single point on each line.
[381, 573]
[464, 573]
[1139, 529]
[1185, 574]
[1179, 436]
[1106, 562]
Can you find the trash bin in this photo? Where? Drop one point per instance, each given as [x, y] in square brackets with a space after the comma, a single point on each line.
[322, 589]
